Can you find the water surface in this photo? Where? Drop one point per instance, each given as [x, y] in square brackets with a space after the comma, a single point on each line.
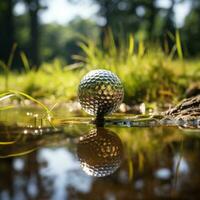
[69, 158]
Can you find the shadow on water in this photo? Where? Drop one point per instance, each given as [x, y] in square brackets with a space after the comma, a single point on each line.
[76, 160]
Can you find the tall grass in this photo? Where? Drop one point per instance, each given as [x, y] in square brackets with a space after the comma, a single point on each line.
[147, 71]
[6, 66]
[15, 93]
[52, 81]
[148, 74]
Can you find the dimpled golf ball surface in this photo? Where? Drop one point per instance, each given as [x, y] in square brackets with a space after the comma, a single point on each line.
[100, 92]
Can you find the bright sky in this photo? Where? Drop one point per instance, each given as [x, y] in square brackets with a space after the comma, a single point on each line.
[62, 11]
[181, 10]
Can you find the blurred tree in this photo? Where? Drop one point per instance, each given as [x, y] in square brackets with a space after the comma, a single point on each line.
[10, 29]
[6, 28]
[168, 26]
[122, 15]
[132, 16]
[169, 22]
[22, 33]
[58, 41]
[79, 29]
[191, 30]
[45, 42]
[34, 6]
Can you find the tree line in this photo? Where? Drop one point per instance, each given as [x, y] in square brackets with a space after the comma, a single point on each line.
[44, 42]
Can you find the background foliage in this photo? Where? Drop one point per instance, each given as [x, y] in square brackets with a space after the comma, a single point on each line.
[137, 39]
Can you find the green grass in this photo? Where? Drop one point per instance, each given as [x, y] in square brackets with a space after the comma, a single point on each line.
[147, 72]
[15, 93]
[50, 81]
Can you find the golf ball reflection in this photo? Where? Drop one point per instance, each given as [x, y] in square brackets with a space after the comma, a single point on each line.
[100, 152]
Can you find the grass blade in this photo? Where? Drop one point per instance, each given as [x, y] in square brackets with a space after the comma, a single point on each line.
[31, 98]
[131, 45]
[141, 48]
[171, 36]
[3, 66]
[25, 62]
[19, 154]
[178, 45]
[6, 71]
[7, 143]
[130, 169]
[5, 96]
[141, 162]
[12, 93]
[6, 107]
[10, 59]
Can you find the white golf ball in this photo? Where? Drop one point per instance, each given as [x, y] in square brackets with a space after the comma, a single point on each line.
[100, 92]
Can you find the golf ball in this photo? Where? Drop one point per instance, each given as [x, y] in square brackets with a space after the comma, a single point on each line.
[100, 92]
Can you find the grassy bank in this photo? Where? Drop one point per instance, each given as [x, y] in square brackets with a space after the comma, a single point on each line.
[147, 72]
